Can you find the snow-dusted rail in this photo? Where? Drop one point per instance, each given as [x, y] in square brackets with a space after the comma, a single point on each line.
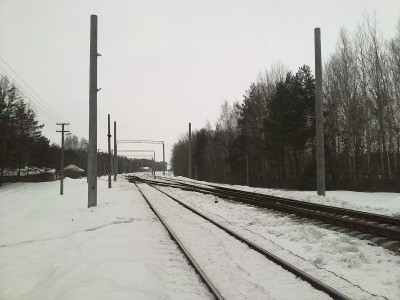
[379, 229]
[317, 284]
[191, 260]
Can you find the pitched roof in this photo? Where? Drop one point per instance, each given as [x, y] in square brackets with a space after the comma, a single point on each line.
[73, 168]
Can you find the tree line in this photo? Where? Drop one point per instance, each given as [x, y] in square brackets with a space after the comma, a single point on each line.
[273, 129]
[23, 147]
[21, 141]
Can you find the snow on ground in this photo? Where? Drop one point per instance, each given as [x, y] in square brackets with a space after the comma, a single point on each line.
[380, 203]
[353, 266]
[54, 247]
[237, 271]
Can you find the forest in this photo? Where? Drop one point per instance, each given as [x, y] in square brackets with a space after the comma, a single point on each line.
[24, 149]
[272, 131]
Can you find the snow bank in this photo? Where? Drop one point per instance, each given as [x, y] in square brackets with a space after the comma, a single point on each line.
[380, 203]
[54, 247]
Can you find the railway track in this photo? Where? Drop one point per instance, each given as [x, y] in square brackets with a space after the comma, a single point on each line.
[378, 229]
[215, 288]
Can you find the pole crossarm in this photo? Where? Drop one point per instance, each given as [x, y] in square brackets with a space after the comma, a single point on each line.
[137, 151]
[140, 141]
[67, 123]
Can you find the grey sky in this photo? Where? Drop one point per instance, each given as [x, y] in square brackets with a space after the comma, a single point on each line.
[164, 63]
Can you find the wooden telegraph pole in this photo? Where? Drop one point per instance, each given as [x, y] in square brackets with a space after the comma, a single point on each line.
[319, 115]
[92, 154]
[62, 156]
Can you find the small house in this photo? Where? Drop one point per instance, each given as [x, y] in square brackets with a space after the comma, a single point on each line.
[73, 171]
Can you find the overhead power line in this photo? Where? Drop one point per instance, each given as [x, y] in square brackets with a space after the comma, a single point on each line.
[37, 107]
[44, 102]
[42, 109]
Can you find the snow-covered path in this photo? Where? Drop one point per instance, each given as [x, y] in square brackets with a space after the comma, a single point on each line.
[53, 247]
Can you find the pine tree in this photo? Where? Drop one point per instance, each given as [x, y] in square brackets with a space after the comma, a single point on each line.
[290, 125]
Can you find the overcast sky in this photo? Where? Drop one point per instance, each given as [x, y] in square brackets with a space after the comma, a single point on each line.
[163, 63]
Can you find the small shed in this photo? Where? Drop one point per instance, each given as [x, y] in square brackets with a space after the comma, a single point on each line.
[145, 169]
[73, 171]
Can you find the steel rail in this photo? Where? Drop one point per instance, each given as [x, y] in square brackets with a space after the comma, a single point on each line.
[191, 260]
[357, 220]
[317, 284]
[338, 210]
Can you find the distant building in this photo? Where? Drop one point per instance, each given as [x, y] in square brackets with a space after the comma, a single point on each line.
[145, 169]
[73, 171]
[32, 174]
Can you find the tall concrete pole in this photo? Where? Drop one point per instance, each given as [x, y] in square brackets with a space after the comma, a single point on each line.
[163, 158]
[154, 164]
[87, 161]
[109, 154]
[190, 150]
[100, 157]
[115, 169]
[319, 115]
[247, 169]
[92, 169]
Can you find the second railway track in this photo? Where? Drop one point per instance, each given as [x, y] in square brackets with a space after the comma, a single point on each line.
[212, 241]
[379, 229]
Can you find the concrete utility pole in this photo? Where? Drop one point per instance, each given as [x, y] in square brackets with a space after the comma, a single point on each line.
[115, 169]
[319, 115]
[154, 164]
[87, 160]
[109, 154]
[190, 150]
[100, 172]
[62, 156]
[92, 161]
[247, 168]
[163, 158]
